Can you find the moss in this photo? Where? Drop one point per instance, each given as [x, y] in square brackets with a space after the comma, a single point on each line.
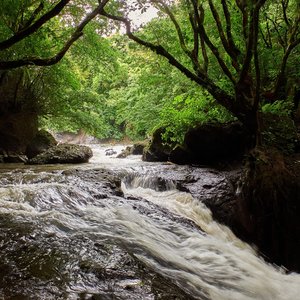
[279, 132]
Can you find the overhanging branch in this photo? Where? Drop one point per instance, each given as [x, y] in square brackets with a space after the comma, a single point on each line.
[56, 58]
[20, 35]
[202, 79]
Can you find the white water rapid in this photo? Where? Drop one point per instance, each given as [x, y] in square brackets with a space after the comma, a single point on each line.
[62, 238]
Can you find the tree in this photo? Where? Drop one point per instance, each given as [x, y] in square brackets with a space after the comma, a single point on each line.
[154, 94]
[74, 92]
[30, 17]
[36, 34]
[234, 43]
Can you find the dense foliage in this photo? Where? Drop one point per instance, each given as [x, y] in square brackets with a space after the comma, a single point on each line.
[232, 59]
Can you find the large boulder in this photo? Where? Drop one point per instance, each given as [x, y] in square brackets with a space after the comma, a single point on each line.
[207, 144]
[40, 143]
[18, 112]
[213, 143]
[179, 155]
[63, 154]
[157, 149]
[138, 148]
[14, 136]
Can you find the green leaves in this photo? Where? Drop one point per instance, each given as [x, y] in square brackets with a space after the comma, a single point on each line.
[279, 107]
[189, 110]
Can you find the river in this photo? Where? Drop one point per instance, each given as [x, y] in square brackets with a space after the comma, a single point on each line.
[71, 232]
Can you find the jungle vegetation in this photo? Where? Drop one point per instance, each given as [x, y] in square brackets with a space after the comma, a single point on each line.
[84, 65]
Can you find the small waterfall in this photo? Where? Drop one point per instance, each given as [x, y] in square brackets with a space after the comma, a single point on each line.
[214, 265]
[152, 182]
[67, 235]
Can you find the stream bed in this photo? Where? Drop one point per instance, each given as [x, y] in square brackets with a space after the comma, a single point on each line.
[121, 229]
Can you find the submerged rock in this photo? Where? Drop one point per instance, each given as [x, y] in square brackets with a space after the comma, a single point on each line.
[109, 152]
[63, 154]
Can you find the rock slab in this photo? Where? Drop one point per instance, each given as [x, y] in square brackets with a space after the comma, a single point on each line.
[63, 154]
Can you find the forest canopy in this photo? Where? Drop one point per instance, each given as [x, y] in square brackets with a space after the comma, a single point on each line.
[86, 65]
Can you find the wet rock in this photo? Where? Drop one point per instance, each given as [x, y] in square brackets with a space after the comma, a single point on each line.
[138, 148]
[157, 149]
[106, 181]
[109, 152]
[216, 189]
[40, 143]
[135, 149]
[211, 143]
[63, 154]
[125, 152]
[103, 272]
[13, 158]
[180, 156]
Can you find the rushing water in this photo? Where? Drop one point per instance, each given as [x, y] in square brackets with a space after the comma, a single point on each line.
[64, 234]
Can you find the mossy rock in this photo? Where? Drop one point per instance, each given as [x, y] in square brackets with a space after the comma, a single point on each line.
[157, 149]
[63, 154]
[40, 143]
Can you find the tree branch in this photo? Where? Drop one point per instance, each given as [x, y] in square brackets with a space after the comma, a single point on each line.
[281, 40]
[202, 79]
[242, 7]
[213, 48]
[251, 42]
[193, 58]
[281, 73]
[236, 52]
[55, 59]
[32, 17]
[266, 36]
[222, 36]
[285, 4]
[199, 19]
[20, 35]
